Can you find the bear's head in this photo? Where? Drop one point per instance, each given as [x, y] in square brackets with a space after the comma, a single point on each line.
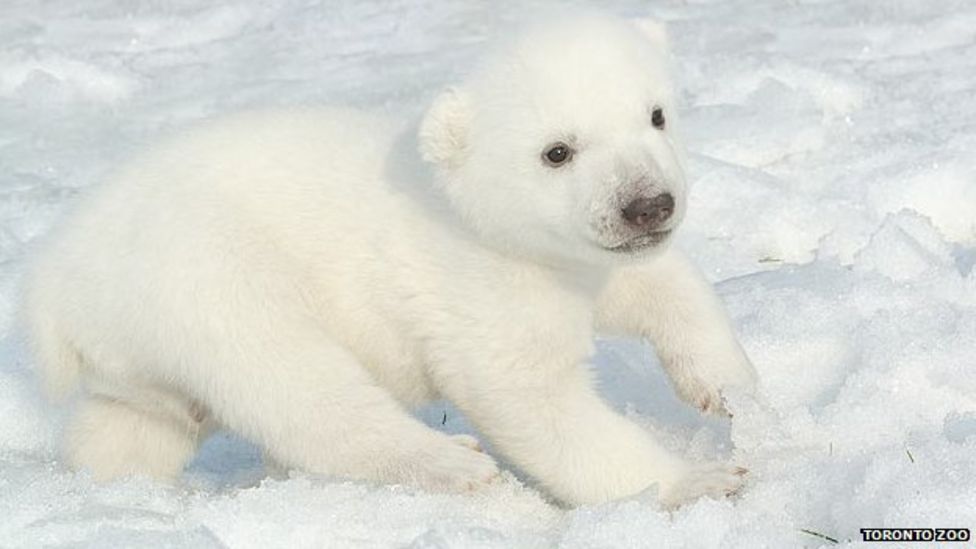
[562, 144]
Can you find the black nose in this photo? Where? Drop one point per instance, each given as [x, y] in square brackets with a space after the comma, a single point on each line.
[649, 212]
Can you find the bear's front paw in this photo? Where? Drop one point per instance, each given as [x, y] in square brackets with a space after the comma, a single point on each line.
[706, 479]
[701, 394]
[700, 382]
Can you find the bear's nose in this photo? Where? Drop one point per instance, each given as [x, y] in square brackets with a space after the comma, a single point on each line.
[649, 212]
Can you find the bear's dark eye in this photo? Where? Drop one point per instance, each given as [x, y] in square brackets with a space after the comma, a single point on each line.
[657, 118]
[557, 154]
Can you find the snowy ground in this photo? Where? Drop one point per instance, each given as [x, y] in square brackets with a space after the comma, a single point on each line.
[834, 154]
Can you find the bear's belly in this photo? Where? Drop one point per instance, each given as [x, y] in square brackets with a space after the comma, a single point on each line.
[397, 370]
[389, 355]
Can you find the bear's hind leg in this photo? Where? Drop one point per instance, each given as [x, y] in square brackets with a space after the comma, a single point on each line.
[113, 439]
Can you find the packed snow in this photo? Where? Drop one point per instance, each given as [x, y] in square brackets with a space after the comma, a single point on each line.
[834, 204]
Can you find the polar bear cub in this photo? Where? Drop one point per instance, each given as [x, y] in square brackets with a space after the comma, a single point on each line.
[303, 277]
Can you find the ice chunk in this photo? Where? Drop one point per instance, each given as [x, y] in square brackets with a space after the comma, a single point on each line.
[906, 246]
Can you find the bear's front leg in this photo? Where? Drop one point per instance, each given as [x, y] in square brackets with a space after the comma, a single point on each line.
[536, 404]
[669, 302]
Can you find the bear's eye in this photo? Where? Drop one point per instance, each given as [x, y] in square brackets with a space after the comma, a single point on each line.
[557, 154]
[657, 118]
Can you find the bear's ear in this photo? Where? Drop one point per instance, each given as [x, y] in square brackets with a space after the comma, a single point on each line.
[444, 130]
[654, 31]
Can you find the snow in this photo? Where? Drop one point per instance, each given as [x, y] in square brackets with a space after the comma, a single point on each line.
[834, 205]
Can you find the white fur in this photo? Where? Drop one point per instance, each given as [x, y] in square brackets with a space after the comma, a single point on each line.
[294, 276]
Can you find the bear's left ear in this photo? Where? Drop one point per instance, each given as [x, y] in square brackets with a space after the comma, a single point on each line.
[443, 132]
[654, 31]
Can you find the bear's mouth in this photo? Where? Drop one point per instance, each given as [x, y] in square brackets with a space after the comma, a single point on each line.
[641, 242]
